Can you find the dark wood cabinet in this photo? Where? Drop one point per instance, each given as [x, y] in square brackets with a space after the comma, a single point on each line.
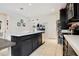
[71, 52]
[73, 12]
[25, 45]
[39, 41]
[76, 10]
[63, 18]
[35, 43]
[67, 49]
[69, 14]
[15, 48]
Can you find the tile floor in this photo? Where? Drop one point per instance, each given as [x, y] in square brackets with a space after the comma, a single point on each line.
[49, 48]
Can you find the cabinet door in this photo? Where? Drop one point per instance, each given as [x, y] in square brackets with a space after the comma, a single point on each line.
[65, 48]
[26, 47]
[71, 52]
[35, 42]
[15, 50]
[63, 18]
[65, 51]
[39, 39]
[77, 11]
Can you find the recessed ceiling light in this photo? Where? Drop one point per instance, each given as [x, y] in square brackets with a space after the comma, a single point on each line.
[52, 10]
[30, 4]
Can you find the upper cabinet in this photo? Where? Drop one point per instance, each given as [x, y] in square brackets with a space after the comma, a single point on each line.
[69, 14]
[70, 10]
[73, 11]
[76, 10]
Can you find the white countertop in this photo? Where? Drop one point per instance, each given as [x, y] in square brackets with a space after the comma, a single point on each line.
[73, 40]
[5, 43]
[28, 33]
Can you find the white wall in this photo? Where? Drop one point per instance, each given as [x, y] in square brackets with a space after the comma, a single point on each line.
[13, 28]
[49, 20]
[46, 13]
[50, 24]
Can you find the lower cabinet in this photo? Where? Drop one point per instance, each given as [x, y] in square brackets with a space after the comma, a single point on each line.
[25, 45]
[35, 43]
[71, 52]
[67, 49]
[39, 41]
[15, 50]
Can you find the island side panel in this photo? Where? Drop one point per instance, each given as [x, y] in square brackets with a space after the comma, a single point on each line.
[26, 44]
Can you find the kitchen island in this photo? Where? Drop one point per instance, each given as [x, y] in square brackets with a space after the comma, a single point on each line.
[71, 45]
[26, 43]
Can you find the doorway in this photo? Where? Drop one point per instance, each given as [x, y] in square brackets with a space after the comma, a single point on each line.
[3, 25]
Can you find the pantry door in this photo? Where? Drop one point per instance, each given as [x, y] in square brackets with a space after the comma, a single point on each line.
[3, 25]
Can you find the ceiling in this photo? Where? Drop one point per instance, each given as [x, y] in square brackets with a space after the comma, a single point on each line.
[31, 9]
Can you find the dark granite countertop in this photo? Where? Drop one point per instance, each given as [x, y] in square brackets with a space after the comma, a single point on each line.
[4, 43]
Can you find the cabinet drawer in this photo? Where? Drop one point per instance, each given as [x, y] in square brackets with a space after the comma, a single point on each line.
[36, 35]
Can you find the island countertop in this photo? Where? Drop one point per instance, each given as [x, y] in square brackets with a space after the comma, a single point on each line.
[73, 40]
[28, 33]
[5, 43]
